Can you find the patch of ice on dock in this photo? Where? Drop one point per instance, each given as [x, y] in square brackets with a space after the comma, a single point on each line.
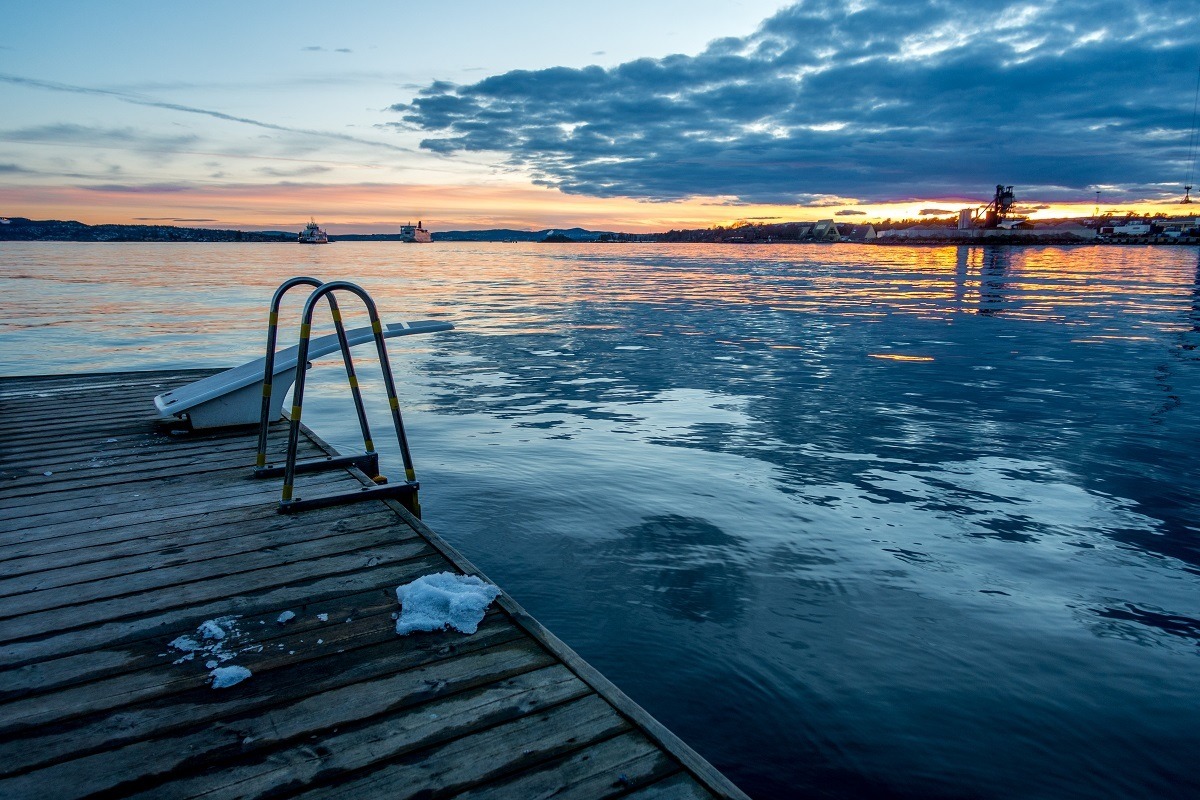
[185, 644]
[286, 617]
[444, 600]
[211, 629]
[213, 640]
[224, 677]
[323, 617]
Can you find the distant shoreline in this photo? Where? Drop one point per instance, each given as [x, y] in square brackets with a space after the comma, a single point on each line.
[19, 229]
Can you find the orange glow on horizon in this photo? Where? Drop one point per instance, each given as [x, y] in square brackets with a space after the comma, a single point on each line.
[381, 208]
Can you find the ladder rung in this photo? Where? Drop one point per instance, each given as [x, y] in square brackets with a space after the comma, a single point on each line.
[367, 462]
[387, 491]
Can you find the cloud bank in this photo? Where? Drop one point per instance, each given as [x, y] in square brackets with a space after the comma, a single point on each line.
[877, 100]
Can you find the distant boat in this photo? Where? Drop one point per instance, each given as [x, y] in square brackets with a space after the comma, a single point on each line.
[414, 233]
[312, 234]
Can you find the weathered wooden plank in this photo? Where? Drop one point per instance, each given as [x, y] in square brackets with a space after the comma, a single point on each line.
[261, 648]
[67, 382]
[253, 600]
[102, 585]
[150, 491]
[107, 661]
[50, 575]
[136, 443]
[95, 386]
[159, 509]
[52, 407]
[388, 734]
[23, 426]
[19, 384]
[81, 476]
[146, 484]
[47, 543]
[115, 467]
[75, 433]
[37, 412]
[168, 549]
[486, 755]
[142, 438]
[53, 620]
[608, 769]
[137, 744]
[143, 442]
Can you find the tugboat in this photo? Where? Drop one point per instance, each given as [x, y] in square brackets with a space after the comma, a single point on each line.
[312, 234]
[414, 233]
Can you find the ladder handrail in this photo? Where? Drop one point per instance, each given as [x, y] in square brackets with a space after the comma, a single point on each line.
[264, 421]
[324, 290]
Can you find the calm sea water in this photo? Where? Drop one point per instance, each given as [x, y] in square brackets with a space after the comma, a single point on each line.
[905, 522]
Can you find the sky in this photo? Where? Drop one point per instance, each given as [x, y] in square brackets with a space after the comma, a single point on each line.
[634, 115]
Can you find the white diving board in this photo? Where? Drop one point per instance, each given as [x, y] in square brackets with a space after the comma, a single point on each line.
[234, 397]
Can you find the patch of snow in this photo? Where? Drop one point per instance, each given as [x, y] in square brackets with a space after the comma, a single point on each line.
[444, 600]
[286, 617]
[323, 617]
[224, 677]
[185, 644]
[215, 640]
[47, 474]
[213, 664]
[211, 629]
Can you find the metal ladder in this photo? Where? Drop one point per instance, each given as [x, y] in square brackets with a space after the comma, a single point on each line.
[368, 461]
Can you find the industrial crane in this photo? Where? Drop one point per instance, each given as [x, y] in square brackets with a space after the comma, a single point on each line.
[999, 207]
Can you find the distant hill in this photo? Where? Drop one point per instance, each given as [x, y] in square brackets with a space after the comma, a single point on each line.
[509, 235]
[20, 229]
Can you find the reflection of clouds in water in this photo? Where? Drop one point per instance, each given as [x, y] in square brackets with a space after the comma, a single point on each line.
[912, 500]
[689, 566]
[1152, 627]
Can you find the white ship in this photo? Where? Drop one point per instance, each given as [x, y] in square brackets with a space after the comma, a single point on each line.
[414, 233]
[312, 234]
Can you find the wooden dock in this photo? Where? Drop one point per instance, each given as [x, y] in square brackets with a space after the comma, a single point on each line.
[119, 535]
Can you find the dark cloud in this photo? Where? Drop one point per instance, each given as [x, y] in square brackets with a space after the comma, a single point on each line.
[15, 169]
[935, 212]
[879, 100]
[849, 212]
